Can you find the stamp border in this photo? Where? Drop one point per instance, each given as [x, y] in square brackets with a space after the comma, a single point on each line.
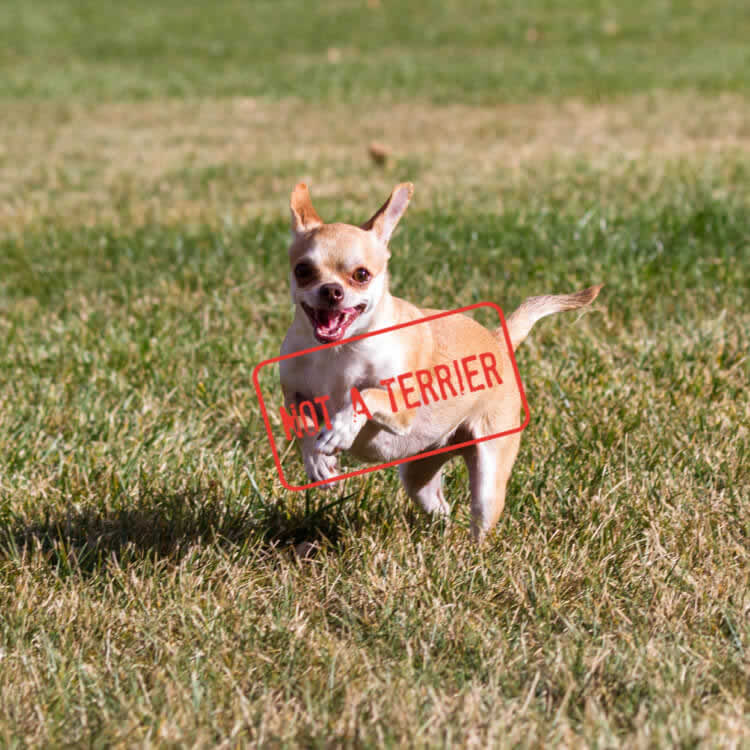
[378, 467]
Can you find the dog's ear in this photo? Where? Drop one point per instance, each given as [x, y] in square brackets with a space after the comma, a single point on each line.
[304, 216]
[385, 219]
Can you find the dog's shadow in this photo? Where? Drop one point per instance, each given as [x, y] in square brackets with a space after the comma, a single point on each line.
[169, 525]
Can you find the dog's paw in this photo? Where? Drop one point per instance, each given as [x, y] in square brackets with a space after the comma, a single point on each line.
[320, 467]
[345, 427]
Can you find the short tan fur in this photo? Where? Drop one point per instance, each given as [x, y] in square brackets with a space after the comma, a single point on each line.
[339, 286]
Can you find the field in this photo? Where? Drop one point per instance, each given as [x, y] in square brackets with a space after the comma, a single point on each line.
[158, 587]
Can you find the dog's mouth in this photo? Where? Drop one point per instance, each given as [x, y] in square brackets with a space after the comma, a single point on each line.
[330, 324]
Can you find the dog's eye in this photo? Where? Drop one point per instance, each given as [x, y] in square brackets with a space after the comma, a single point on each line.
[303, 271]
[361, 275]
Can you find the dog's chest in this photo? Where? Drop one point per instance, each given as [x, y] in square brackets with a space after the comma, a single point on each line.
[334, 374]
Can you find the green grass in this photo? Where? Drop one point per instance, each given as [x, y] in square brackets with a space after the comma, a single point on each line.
[148, 582]
[159, 588]
[474, 50]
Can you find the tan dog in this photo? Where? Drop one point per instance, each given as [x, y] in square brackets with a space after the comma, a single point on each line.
[339, 285]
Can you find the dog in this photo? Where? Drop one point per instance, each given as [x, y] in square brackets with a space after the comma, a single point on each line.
[339, 286]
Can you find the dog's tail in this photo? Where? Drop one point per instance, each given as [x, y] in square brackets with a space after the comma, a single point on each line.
[534, 308]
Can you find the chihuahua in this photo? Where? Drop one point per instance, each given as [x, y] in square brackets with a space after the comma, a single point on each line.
[339, 286]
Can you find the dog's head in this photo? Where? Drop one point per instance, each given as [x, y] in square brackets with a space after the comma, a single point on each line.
[339, 271]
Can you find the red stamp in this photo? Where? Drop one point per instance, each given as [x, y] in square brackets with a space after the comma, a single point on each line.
[413, 389]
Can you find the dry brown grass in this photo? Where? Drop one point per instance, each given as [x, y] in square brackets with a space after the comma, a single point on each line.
[173, 161]
[149, 588]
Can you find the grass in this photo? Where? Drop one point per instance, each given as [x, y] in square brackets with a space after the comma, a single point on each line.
[471, 51]
[158, 587]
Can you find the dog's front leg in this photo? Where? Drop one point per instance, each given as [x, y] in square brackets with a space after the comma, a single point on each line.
[318, 466]
[347, 423]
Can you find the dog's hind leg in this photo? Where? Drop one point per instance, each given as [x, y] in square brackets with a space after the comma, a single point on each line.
[422, 481]
[489, 464]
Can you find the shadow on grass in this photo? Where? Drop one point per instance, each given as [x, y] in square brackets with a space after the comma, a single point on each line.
[168, 525]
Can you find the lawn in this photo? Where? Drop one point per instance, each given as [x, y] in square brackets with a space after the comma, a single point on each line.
[158, 586]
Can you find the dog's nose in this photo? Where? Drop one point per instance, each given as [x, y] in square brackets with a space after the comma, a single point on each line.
[332, 294]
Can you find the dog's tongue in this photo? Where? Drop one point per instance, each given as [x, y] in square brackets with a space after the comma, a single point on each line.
[331, 325]
[329, 320]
